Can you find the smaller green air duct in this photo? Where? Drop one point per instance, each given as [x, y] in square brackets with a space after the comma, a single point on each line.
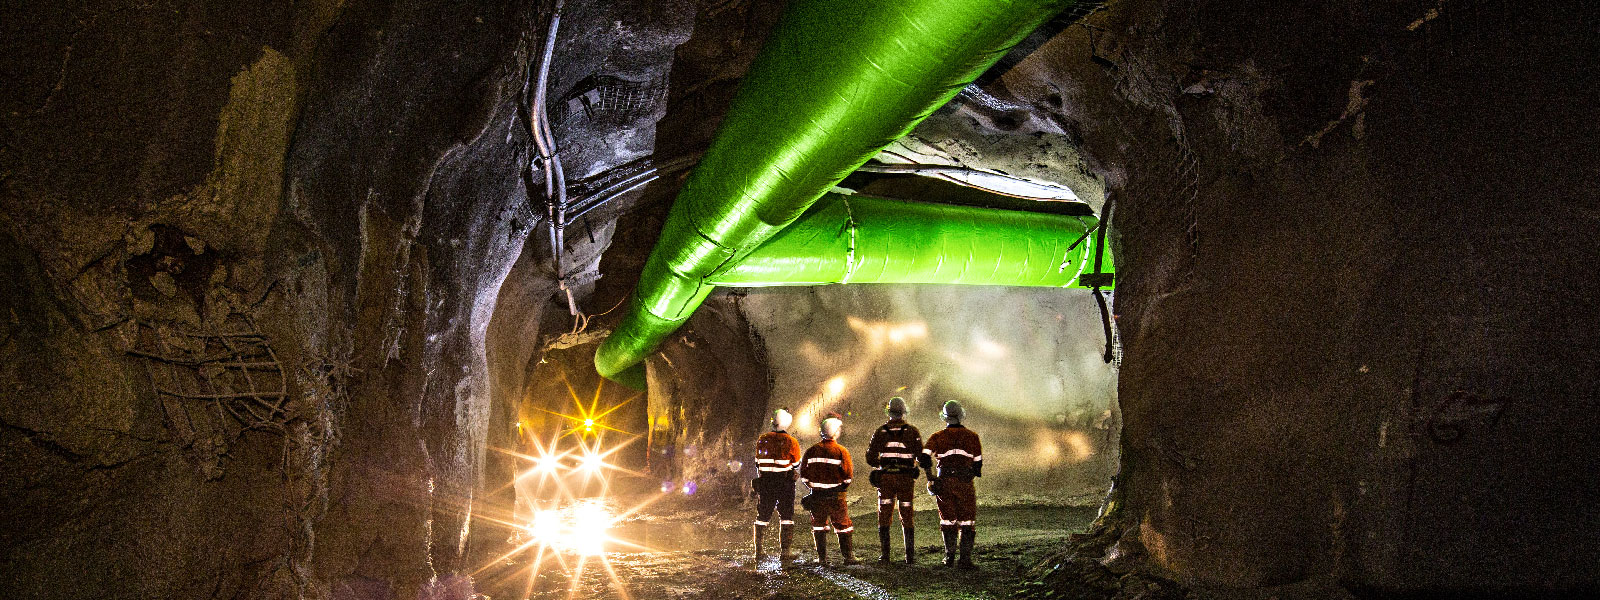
[863, 239]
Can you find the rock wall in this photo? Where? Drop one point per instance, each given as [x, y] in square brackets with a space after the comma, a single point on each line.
[255, 253]
[1357, 342]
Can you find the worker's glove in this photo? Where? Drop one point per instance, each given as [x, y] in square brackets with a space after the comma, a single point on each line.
[935, 486]
[925, 461]
[977, 469]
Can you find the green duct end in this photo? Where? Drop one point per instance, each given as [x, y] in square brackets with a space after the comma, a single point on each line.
[639, 333]
[632, 377]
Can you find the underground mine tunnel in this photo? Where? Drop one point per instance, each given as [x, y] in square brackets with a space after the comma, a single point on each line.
[411, 299]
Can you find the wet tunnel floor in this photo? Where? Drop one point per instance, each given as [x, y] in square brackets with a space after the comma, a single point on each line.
[695, 554]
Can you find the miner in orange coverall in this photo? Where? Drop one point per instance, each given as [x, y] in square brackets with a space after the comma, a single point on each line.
[826, 469]
[960, 459]
[777, 459]
[894, 452]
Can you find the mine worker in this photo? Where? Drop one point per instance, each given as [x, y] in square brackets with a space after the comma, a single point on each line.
[827, 471]
[960, 459]
[777, 458]
[894, 452]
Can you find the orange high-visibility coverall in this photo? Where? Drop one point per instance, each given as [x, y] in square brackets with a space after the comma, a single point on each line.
[777, 457]
[826, 467]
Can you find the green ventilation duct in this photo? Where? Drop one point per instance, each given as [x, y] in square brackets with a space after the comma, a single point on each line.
[862, 239]
[836, 82]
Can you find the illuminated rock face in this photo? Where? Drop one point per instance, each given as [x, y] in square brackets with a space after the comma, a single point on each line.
[1026, 363]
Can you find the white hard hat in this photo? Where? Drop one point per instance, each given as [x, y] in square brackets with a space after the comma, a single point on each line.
[781, 419]
[831, 427]
[952, 412]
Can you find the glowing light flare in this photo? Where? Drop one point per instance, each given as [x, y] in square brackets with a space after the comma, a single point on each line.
[590, 418]
[579, 529]
[878, 334]
[975, 367]
[990, 349]
[546, 527]
[805, 418]
[1081, 447]
[546, 462]
[590, 522]
[546, 465]
[835, 387]
[906, 332]
[1053, 446]
[592, 462]
[1046, 449]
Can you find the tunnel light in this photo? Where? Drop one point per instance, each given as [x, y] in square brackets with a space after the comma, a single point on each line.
[580, 529]
[546, 465]
[546, 527]
[588, 425]
[587, 535]
[592, 462]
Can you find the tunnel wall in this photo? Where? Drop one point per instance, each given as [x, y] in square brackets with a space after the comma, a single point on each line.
[1353, 292]
[337, 182]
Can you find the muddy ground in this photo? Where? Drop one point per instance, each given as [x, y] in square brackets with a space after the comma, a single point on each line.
[670, 550]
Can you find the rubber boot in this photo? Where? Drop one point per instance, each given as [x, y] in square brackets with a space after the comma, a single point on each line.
[967, 535]
[761, 532]
[847, 549]
[949, 547]
[786, 541]
[911, 544]
[883, 543]
[821, 538]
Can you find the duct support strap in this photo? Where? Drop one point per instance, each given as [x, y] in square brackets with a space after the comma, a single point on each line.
[836, 82]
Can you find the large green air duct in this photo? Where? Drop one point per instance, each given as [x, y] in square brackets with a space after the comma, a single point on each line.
[862, 239]
[837, 81]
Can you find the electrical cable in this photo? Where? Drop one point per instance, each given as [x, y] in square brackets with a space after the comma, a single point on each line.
[555, 184]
